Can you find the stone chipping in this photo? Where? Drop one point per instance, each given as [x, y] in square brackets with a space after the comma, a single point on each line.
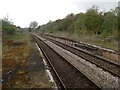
[101, 78]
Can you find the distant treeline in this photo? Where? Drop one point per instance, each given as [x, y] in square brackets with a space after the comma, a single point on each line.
[93, 21]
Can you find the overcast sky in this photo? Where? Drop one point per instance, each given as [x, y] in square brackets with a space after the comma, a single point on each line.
[22, 12]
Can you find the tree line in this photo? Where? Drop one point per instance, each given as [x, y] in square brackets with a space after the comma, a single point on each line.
[92, 21]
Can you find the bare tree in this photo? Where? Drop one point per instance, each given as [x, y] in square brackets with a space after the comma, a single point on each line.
[33, 25]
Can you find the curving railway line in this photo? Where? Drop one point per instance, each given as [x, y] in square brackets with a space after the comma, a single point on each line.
[65, 71]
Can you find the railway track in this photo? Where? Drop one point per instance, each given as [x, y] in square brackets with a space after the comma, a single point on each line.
[112, 68]
[67, 74]
[106, 54]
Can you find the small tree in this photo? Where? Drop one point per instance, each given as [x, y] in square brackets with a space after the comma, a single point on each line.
[33, 25]
[93, 20]
[8, 26]
[110, 22]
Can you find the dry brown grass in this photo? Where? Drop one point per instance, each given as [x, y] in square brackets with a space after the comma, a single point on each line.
[15, 54]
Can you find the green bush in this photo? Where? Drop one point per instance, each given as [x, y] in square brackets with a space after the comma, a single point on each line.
[8, 27]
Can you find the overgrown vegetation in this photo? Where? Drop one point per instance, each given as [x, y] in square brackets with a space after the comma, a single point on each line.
[15, 54]
[94, 21]
[8, 27]
[101, 26]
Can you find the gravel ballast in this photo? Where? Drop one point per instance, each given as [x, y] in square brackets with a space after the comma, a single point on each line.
[101, 78]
